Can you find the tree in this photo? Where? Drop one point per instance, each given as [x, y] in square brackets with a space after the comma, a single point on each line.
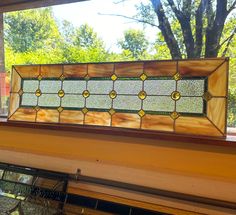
[201, 24]
[135, 42]
[86, 37]
[31, 30]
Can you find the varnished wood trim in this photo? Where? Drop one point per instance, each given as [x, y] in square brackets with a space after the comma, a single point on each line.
[166, 136]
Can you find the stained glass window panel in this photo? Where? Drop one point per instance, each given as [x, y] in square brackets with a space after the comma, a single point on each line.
[186, 94]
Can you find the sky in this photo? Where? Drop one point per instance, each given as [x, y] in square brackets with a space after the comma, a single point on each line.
[109, 28]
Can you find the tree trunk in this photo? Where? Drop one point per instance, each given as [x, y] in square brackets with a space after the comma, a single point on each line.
[165, 28]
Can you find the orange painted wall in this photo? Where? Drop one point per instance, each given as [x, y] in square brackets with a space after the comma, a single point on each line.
[182, 158]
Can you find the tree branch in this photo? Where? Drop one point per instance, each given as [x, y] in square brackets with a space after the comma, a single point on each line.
[166, 30]
[228, 40]
[199, 28]
[184, 20]
[232, 7]
[130, 18]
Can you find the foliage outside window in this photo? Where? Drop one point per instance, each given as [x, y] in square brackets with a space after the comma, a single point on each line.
[186, 29]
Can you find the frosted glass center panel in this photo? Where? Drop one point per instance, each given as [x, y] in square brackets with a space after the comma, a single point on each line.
[74, 86]
[128, 87]
[30, 86]
[100, 87]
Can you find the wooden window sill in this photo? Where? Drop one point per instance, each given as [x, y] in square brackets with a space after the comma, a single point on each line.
[229, 141]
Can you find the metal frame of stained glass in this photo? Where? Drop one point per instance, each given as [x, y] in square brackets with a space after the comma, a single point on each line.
[178, 96]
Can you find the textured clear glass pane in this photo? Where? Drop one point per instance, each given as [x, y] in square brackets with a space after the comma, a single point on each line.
[18, 177]
[128, 86]
[127, 103]
[191, 87]
[190, 105]
[29, 99]
[74, 86]
[50, 86]
[30, 86]
[73, 101]
[158, 103]
[100, 87]
[159, 87]
[98, 101]
[49, 100]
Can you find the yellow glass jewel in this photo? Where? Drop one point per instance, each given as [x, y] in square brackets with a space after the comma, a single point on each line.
[177, 76]
[60, 109]
[141, 113]
[20, 92]
[61, 93]
[86, 94]
[86, 77]
[112, 111]
[40, 77]
[37, 108]
[85, 110]
[207, 96]
[143, 77]
[38, 92]
[113, 94]
[142, 95]
[62, 77]
[113, 77]
[174, 115]
[175, 95]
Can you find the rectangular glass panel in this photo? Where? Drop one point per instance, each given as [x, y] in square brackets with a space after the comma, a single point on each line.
[50, 86]
[29, 99]
[190, 105]
[159, 103]
[125, 93]
[159, 87]
[127, 103]
[73, 101]
[74, 86]
[18, 177]
[98, 102]
[128, 86]
[49, 100]
[30, 86]
[100, 86]
[191, 87]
